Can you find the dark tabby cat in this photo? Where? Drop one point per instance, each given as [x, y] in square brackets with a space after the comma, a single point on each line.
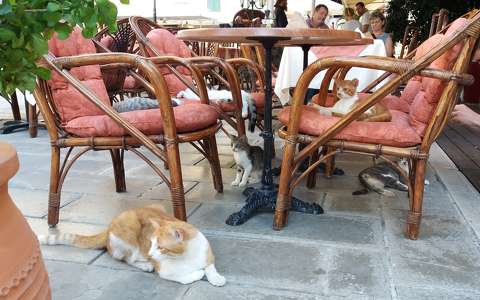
[249, 161]
[381, 176]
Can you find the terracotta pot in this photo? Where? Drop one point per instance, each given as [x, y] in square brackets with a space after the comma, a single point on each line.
[22, 271]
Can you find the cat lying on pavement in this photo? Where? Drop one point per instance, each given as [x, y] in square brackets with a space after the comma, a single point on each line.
[151, 240]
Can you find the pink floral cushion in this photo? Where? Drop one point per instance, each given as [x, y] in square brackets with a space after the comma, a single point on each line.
[188, 118]
[397, 132]
[425, 98]
[70, 102]
[167, 44]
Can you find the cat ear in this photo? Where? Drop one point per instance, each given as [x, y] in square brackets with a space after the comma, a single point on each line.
[155, 223]
[355, 81]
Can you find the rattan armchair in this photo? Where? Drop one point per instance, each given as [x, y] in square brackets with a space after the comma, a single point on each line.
[223, 70]
[119, 132]
[442, 85]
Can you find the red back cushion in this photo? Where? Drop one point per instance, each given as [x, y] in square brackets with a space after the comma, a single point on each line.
[69, 101]
[428, 92]
[167, 44]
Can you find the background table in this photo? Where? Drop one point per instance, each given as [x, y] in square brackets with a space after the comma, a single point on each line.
[291, 67]
[265, 197]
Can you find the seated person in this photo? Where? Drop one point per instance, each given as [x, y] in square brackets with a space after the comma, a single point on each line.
[279, 13]
[377, 22]
[246, 18]
[350, 22]
[318, 18]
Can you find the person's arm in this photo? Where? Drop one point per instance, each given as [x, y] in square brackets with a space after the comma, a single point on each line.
[364, 28]
[389, 46]
[462, 114]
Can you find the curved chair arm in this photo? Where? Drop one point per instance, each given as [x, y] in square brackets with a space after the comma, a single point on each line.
[148, 68]
[406, 70]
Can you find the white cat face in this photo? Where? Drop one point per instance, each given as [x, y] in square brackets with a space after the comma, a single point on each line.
[154, 251]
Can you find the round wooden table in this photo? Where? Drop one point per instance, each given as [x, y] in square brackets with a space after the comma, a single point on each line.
[265, 197]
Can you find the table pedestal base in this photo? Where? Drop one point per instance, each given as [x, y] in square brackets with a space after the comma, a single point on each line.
[10, 126]
[266, 199]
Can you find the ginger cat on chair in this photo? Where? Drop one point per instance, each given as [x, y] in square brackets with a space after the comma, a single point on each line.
[348, 100]
[151, 240]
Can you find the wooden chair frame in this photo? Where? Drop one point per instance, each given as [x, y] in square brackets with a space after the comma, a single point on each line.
[417, 155]
[163, 147]
[207, 64]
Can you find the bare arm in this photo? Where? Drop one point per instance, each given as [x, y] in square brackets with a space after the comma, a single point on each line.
[389, 46]
[462, 114]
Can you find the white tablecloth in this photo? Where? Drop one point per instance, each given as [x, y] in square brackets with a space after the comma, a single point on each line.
[291, 67]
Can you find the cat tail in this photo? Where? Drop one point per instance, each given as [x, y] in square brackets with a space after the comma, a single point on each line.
[361, 192]
[98, 241]
[252, 120]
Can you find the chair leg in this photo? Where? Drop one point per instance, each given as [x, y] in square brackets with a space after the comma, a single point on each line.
[329, 163]
[284, 196]
[176, 182]
[32, 120]
[212, 152]
[415, 214]
[118, 170]
[312, 177]
[54, 192]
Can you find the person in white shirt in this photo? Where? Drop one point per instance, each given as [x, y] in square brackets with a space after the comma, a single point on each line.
[364, 15]
[350, 22]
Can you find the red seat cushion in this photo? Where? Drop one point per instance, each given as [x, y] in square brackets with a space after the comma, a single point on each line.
[397, 132]
[188, 118]
[130, 83]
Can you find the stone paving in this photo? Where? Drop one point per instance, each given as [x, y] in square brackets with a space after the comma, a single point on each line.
[356, 250]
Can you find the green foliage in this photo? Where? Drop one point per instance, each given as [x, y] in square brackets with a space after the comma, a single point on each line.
[419, 13]
[26, 26]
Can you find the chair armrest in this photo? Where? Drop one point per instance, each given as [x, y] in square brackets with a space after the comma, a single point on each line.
[147, 68]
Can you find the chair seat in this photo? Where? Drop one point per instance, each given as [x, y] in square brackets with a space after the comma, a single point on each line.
[258, 99]
[397, 132]
[188, 118]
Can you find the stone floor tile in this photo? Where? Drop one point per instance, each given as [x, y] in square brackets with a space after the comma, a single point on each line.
[226, 161]
[163, 192]
[346, 203]
[34, 203]
[204, 192]
[414, 273]
[331, 228]
[204, 291]
[66, 253]
[101, 210]
[358, 272]
[418, 293]
[204, 174]
[81, 282]
[270, 264]
[443, 241]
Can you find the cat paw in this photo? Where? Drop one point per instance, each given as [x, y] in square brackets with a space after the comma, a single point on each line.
[234, 183]
[242, 184]
[144, 266]
[218, 280]
[195, 276]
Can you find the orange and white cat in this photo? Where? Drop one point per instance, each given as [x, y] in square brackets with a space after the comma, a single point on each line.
[151, 240]
[348, 100]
